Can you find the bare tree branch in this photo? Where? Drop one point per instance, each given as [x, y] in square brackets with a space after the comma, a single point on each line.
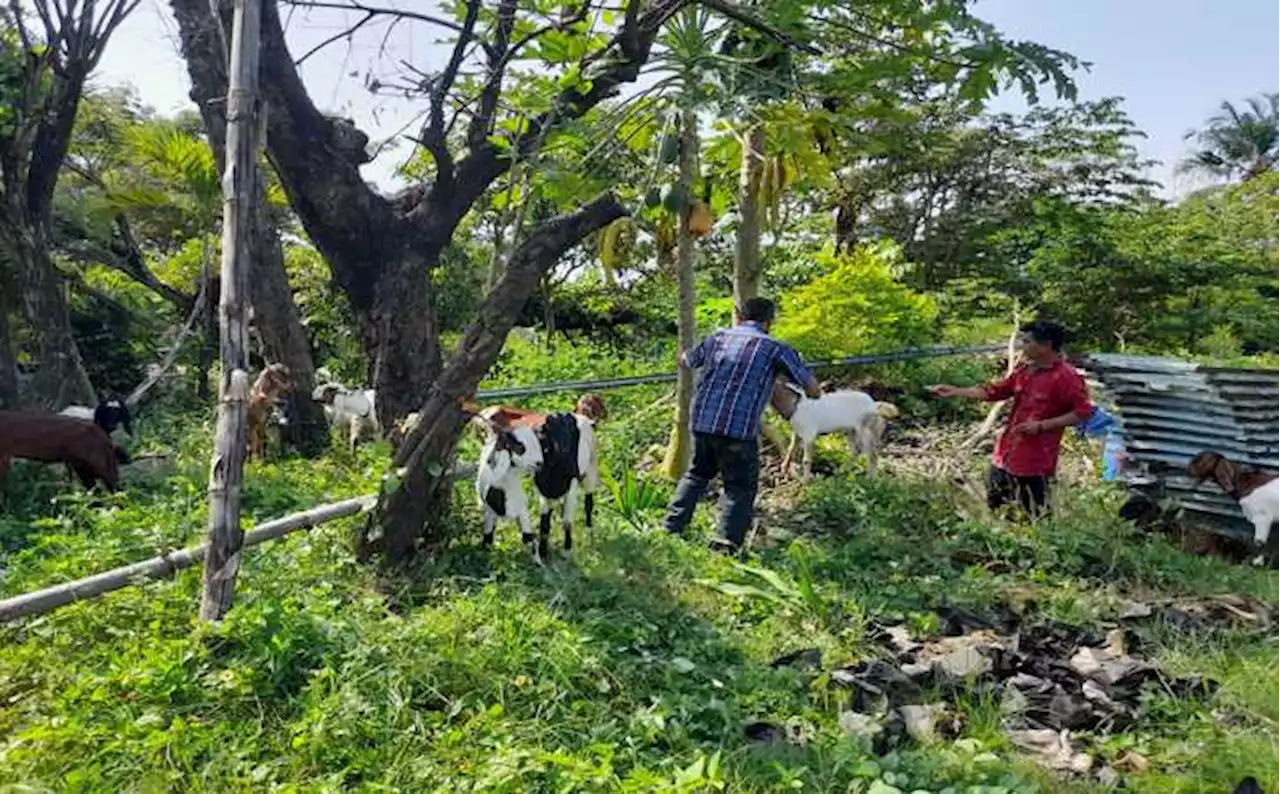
[378, 11]
[346, 34]
[499, 56]
[433, 137]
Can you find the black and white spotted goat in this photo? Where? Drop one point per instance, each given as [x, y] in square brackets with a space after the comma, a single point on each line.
[560, 451]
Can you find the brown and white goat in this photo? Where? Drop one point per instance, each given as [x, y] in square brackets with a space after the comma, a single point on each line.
[51, 438]
[1257, 492]
[272, 385]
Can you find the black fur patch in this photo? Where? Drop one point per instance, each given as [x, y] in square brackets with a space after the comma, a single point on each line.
[110, 414]
[559, 439]
[496, 499]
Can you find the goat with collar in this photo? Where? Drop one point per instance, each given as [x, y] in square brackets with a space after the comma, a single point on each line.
[1257, 492]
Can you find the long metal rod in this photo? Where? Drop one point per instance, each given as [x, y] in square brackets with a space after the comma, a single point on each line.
[670, 377]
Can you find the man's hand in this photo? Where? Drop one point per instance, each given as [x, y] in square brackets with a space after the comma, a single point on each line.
[1033, 428]
[813, 391]
[944, 390]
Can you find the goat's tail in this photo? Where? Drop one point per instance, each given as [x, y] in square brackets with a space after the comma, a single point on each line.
[888, 410]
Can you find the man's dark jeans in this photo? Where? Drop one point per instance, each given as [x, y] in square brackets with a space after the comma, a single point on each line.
[738, 464]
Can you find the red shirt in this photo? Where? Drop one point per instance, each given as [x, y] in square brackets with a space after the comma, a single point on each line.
[1038, 393]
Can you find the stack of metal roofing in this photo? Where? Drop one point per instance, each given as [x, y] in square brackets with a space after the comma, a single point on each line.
[1171, 410]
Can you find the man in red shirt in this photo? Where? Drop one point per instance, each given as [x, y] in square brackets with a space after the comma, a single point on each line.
[1048, 396]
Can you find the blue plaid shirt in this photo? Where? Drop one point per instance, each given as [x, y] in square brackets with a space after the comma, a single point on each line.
[738, 367]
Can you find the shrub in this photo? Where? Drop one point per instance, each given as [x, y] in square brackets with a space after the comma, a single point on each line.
[859, 306]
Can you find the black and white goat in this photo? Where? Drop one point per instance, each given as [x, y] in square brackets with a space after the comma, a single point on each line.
[561, 454]
[353, 411]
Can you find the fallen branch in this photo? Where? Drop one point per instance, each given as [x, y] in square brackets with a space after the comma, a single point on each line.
[51, 598]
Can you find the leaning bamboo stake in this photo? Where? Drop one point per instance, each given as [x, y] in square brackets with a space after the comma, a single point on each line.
[227, 466]
[992, 415]
[51, 598]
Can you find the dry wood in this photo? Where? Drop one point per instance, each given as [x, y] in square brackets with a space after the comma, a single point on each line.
[990, 422]
[51, 598]
[227, 466]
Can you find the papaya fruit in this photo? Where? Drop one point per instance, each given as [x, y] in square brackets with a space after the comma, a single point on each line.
[674, 198]
[669, 151]
[700, 220]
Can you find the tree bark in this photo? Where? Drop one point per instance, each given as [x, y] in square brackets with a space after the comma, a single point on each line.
[411, 506]
[61, 379]
[8, 364]
[746, 260]
[222, 560]
[275, 313]
[681, 447]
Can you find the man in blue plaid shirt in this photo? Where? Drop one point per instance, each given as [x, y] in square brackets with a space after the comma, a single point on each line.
[738, 367]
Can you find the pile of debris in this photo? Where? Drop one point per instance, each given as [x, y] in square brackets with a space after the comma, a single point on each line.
[1052, 680]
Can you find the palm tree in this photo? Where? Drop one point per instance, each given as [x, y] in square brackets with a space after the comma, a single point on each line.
[1238, 143]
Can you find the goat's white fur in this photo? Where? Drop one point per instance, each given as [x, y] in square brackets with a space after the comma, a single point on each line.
[77, 412]
[503, 470]
[1262, 508]
[354, 411]
[853, 414]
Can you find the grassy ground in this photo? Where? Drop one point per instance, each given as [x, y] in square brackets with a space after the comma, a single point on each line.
[632, 666]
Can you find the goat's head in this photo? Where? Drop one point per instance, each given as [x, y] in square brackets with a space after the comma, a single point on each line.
[113, 413]
[786, 398]
[326, 393]
[1212, 464]
[591, 407]
[274, 382]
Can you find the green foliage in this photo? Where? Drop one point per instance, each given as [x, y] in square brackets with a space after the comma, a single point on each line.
[1236, 143]
[858, 306]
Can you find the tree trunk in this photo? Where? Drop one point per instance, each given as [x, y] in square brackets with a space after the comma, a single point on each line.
[222, 560]
[8, 364]
[276, 314]
[61, 379]
[681, 447]
[284, 339]
[413, 504]
[746, 260]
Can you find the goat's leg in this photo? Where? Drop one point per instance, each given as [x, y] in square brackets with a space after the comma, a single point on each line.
[791, 452]
[870, 444]
[490, 522]
[544, 534]
[808, 461]
[569, 511]
[526, 532]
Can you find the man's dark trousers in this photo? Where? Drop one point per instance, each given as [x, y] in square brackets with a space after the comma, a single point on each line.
[738, 464]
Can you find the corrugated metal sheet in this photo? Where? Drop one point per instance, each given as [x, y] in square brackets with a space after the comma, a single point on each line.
[1170, 410]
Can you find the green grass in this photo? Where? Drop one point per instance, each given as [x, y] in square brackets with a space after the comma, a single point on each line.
[632, 666]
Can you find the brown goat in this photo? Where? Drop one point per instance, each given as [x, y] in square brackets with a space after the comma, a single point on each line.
[272, 385]
[52, 438]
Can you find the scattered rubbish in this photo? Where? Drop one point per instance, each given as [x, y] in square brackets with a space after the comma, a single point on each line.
[1052, 749]
[921, 721]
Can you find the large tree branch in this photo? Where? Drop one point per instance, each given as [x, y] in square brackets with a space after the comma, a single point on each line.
[433, 137]
[499, 56]
[318, 160]
[608, 69]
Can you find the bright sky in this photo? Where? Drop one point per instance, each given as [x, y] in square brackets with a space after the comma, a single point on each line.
[1174, 61]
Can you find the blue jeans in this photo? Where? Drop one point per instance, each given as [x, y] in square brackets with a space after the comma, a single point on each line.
[738, 464]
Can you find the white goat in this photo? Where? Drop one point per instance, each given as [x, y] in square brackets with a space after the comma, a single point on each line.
[354, 411]
[561, 464]
[854, 414]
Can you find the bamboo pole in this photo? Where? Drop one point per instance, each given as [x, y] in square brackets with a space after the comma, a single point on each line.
[227, 466]
[51, 598]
